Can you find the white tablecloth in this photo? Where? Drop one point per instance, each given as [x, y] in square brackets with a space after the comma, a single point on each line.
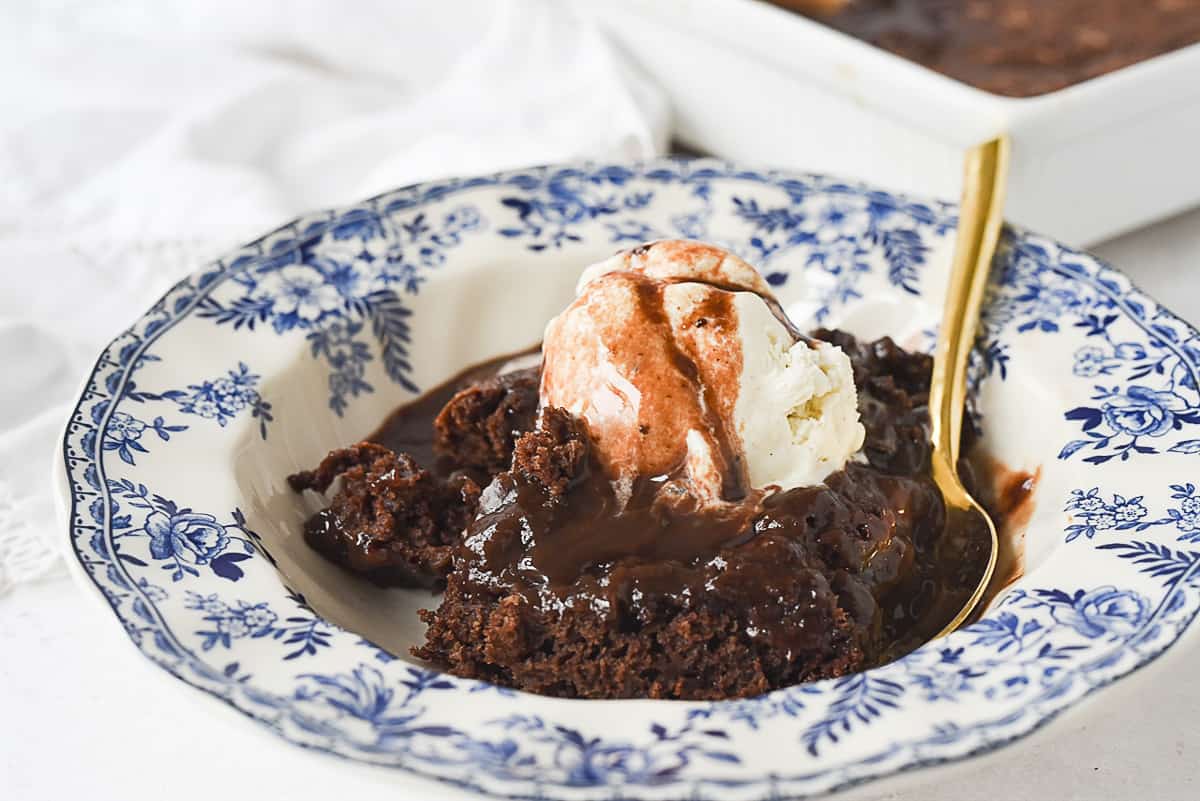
[150, 136]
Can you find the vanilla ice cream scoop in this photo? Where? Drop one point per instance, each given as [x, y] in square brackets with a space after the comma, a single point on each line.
[686, 371]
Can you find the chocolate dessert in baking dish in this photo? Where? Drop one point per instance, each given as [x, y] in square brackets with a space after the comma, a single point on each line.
[1019, 48]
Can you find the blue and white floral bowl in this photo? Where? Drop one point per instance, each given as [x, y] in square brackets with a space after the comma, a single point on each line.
[174, 462]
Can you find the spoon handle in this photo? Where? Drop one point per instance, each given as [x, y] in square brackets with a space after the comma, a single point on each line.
[979, 222]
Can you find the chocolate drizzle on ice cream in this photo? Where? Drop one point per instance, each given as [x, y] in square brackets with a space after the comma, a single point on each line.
[683, 364]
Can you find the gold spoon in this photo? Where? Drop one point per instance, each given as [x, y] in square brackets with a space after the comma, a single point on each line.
[979, 222]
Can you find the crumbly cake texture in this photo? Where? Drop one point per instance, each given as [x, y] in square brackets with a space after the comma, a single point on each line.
[396, 522]
[390, 520]
[476, 430]
[586, 642]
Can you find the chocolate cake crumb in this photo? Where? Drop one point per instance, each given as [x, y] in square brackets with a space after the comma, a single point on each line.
[390, 520]
[553, 454]
[893, 401]
[477, 428]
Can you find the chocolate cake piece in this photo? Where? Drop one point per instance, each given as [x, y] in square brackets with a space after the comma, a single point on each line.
[551, 599]
[702, 651]
[390, 520]
[395, 520]
[478, 426]
[893, 401]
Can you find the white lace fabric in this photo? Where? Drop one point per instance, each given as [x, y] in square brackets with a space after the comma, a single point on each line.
[145, 138]
[27, 519]
[26, 554]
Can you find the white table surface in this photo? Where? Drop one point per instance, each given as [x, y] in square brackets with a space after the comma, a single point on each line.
[84, 716]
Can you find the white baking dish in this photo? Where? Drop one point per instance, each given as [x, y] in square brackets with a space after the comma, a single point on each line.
[757, 83]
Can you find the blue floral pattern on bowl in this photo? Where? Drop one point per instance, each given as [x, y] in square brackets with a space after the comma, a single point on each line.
[345, 307]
